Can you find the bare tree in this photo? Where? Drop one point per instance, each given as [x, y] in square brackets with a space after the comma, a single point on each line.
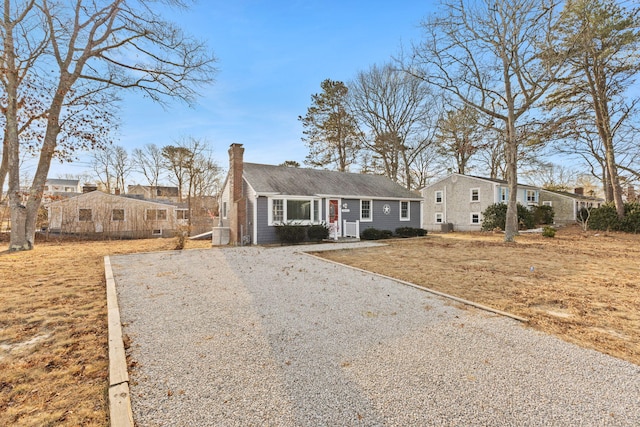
[89, 49]
[330, 130]
[392, 107]
[488, 54]
[149, 161]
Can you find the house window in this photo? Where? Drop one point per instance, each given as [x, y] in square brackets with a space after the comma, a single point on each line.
[475, 218]
[298, 210]
[404, 211]
[46, 188]
[365, 210]
[117, 215]
[84, 215]
[301, 211]
[475, 194]
[277, 210]
[224, 210]
[156, 232]
[547, 203]
[156, 215]
[438, 196]
[69, 189]
[182, 213]
[531, 196]
[439, 218]
[504, 194]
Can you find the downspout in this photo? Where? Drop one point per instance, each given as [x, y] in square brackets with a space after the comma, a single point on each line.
[255, 221]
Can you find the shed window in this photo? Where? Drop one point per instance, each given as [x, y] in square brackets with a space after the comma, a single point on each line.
[84, 215]
[117, 215]
[156, 215]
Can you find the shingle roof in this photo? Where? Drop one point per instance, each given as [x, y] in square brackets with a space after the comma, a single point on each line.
[268, 179]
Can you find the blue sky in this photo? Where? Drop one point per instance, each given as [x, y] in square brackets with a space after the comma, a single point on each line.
[272, 56]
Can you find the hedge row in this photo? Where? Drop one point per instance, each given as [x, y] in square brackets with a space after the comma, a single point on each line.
[605, 218]
[375, 234]
[293, 233]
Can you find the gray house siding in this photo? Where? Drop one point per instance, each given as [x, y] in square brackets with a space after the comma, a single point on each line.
[382, 221]
[266, 233]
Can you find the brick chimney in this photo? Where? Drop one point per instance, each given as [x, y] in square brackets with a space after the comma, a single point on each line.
[579, 191]
[238, 208]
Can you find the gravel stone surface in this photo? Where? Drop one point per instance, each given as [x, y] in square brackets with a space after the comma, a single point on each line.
[253, 336]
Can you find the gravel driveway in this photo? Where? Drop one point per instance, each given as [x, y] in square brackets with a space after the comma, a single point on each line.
[273, 337]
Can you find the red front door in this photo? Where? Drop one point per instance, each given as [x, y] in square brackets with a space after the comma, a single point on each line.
[333, 211]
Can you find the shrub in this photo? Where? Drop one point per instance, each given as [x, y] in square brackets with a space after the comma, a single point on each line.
[604, 218]
[375, 234]
[548, 232]
[495, 216]
[317, 232]
[291, 233]
[543, 215]
[410, 232]
[631, 221]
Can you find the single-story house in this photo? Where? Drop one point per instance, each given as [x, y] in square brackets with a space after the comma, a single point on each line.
[257, 198]
[457, 201]
[98, 213]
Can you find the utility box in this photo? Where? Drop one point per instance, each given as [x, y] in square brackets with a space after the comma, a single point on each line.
[446, 227]
[220, 236]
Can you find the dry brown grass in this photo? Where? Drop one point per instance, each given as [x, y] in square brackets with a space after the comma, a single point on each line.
[53, 331]
[584, 287]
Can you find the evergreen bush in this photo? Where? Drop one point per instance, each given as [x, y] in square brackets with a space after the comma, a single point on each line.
[291, 233]
[543, 215]
[410, 232]
[495, 216]
[317, 232]
[604, 218]
[375, 234]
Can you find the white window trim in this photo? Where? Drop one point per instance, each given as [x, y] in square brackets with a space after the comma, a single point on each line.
[471, 195]
[408, 217]
[435, 198]
[285, 220]
[471, 218]
[547, 203]
[370, 219]
[156, 232]
[441, 218]
[535, 196]
[182, 210]
[224, 210]
[504, 195]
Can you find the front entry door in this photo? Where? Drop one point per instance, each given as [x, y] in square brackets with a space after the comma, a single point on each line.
[333, 214]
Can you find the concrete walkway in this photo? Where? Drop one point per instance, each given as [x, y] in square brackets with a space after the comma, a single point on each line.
[255, 336]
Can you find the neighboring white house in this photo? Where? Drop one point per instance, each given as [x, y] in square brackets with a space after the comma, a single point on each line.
[57, 188]
[114, 216]
[457, 202]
